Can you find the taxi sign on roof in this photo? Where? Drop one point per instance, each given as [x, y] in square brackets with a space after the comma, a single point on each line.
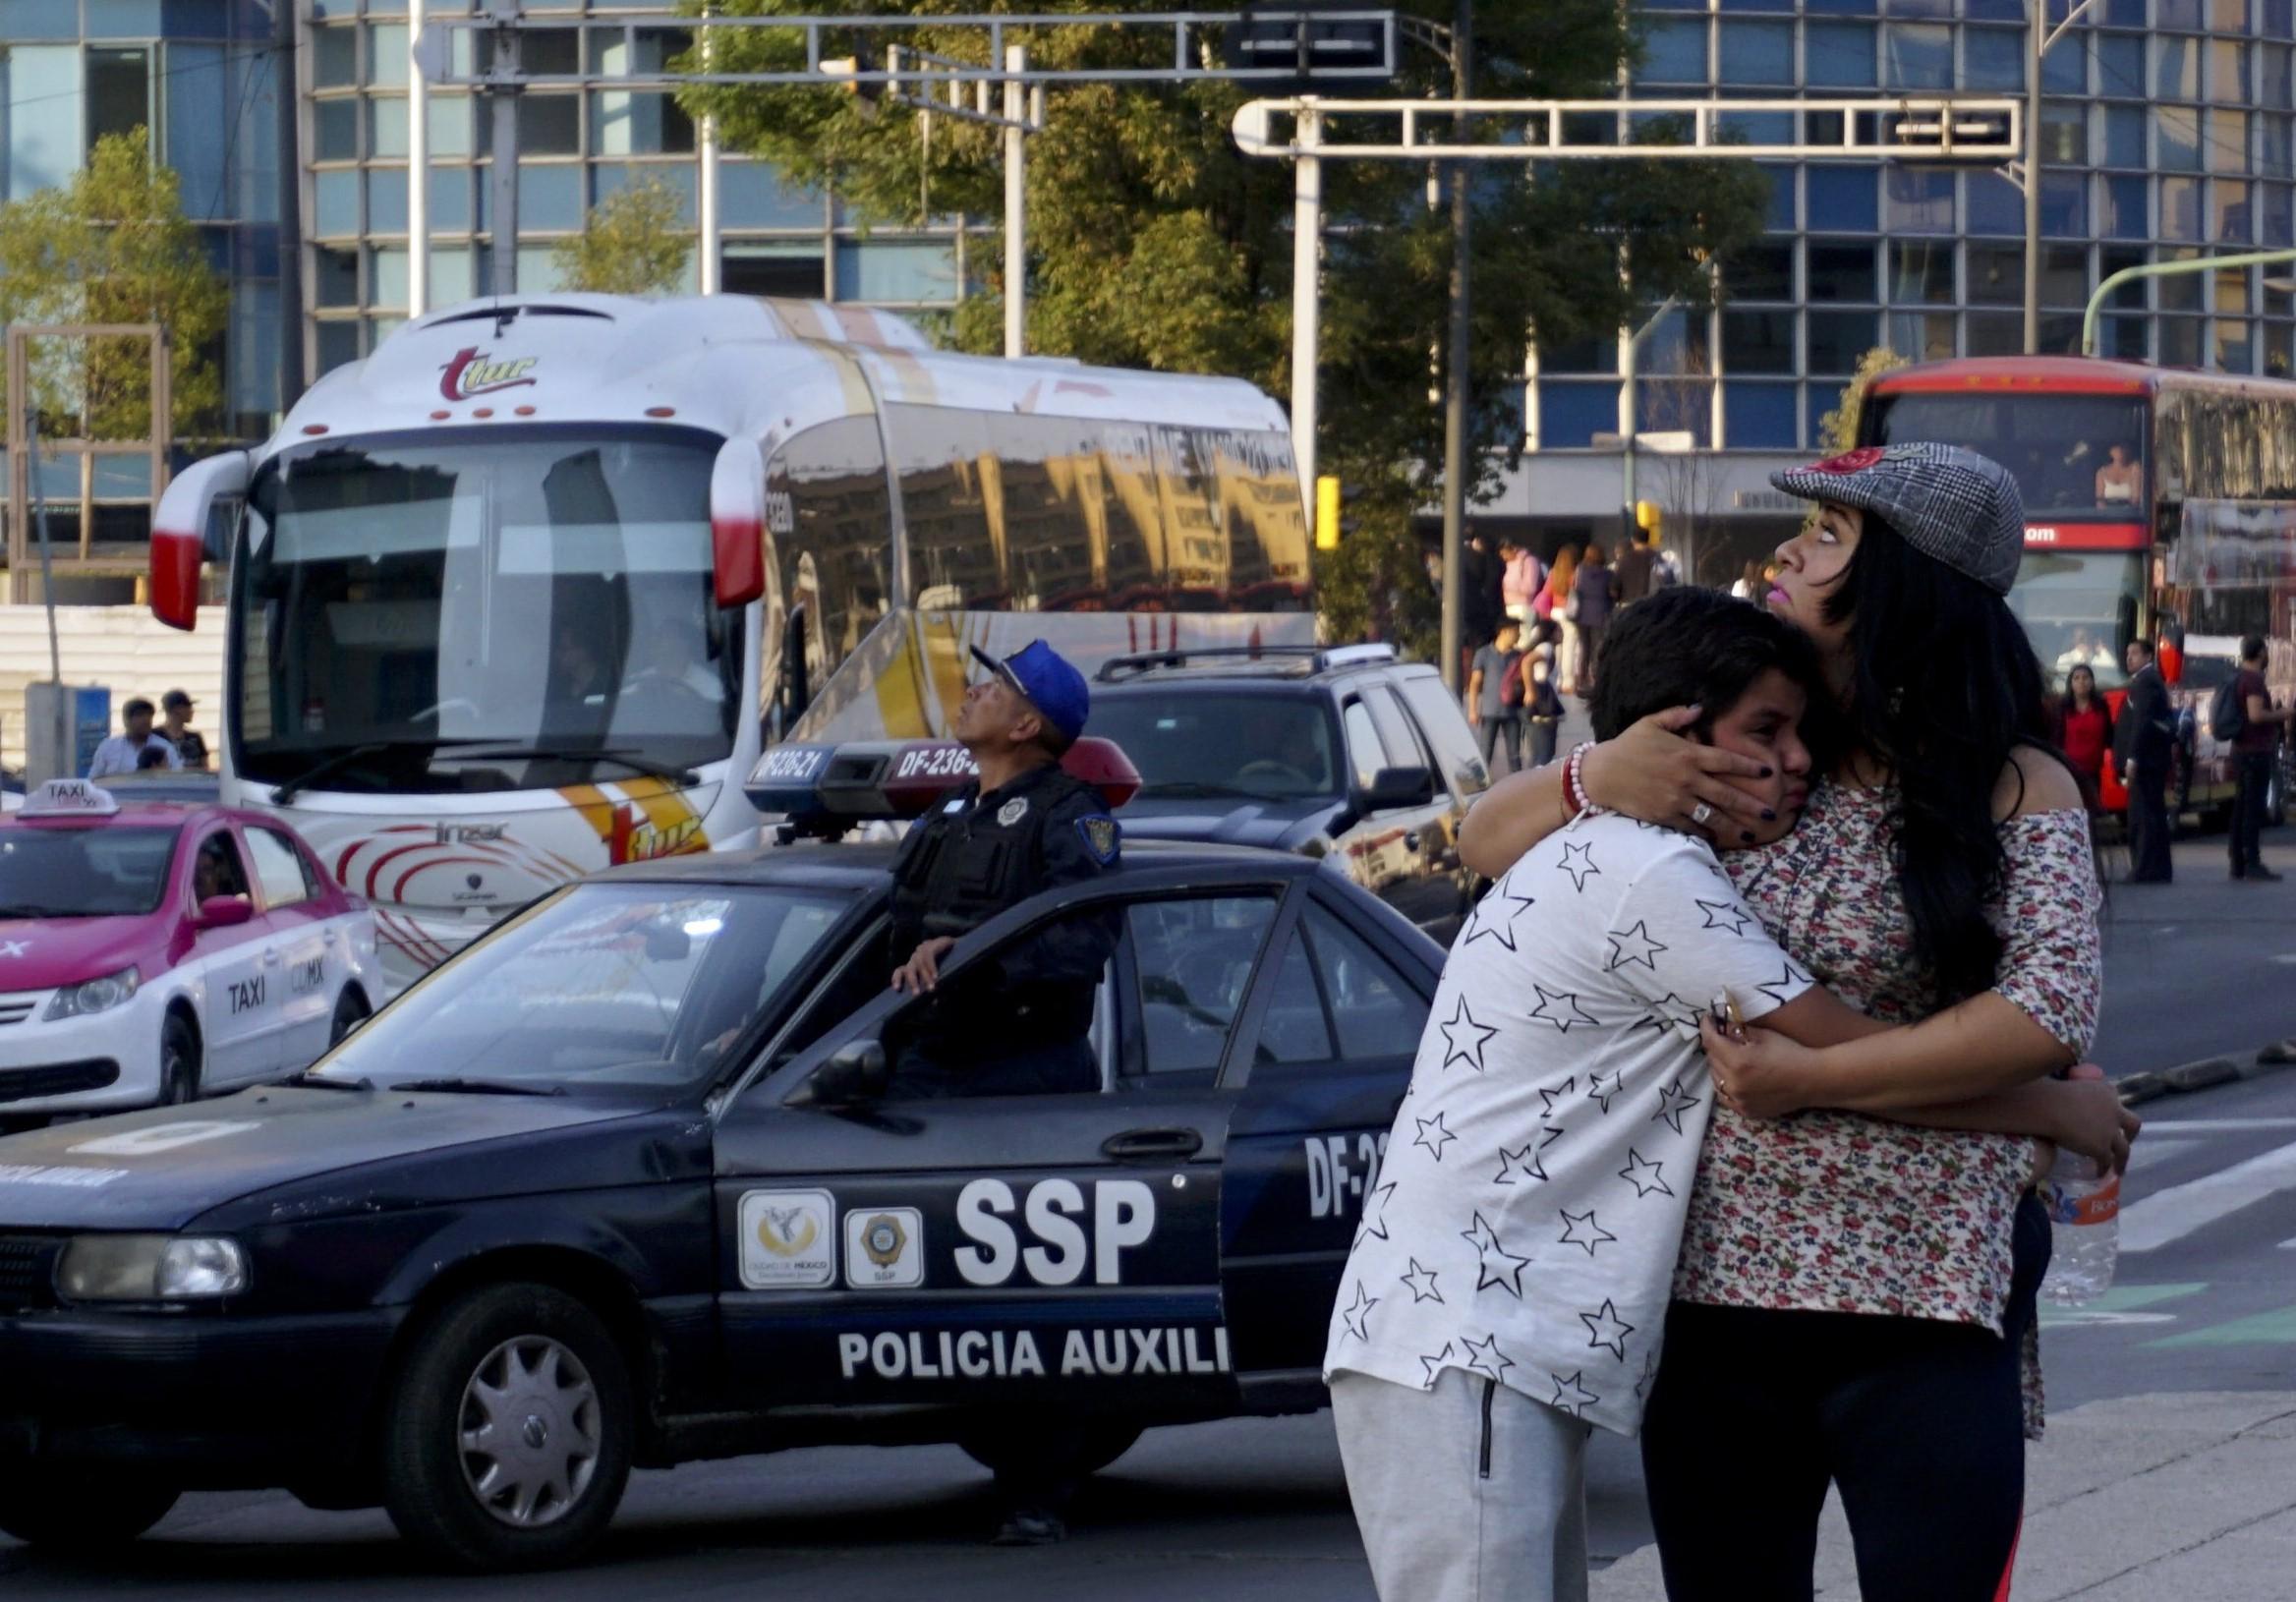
[69, 798]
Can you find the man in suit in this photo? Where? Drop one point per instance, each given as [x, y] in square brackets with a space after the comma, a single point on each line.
[2142, 741]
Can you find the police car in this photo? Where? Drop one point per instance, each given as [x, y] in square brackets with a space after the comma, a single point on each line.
[621, 1186]
[141, 961]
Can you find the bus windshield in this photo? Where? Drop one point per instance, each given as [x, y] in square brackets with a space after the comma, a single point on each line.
[481, 611]
[2075, 458]
[2079, 608]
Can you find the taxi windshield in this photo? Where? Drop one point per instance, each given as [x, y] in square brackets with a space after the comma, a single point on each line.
[1193, 747]
[628, 986]
[79, 872]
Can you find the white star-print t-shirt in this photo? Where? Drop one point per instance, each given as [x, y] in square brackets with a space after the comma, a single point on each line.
[1531, 1202]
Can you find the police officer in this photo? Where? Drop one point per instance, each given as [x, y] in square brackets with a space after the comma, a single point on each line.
[1019, 1024]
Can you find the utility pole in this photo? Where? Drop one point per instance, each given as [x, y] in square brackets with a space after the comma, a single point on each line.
[1457, 357]
[1015, 201]
[503, 103]
[286, 84]
[2040, 37]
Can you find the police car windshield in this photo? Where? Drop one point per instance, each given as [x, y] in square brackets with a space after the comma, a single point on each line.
[1191, 746]
[607, 986]
[83, 872]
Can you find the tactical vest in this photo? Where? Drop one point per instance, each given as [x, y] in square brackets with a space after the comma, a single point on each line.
[956, 871]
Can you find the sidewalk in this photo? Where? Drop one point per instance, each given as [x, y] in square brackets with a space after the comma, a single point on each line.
[2189, 1497]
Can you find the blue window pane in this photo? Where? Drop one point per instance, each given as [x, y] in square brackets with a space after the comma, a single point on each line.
[1917, 56]
[1920, 8]
[2176, 136]
[43, 20]
[2120, 65]
[1781, 209]
[1921, 200]
[1571, 415]
[2277, 216]
[2276, 18]
[1677, 405]
[753, 194]
[253, 347]
[1820, 399]
[197, 20]
[2064, 204]
[896, 270]
[2183, 14]
[450, 199]
[1845, 198]
[2124, 137]
[2120, 207]
[1837, 339]
[196, 139]
[1839, 8]
[386, 278]
[334, 58]
[1588, 356]
[679, 179]
[336, 212]
[40, 94]
[1674, 53]
[449, 117]
[550, 196]
[387, 60]
[1757, 53]
[386, 200]
[451, 279]
[2272, 77]
[338, 345]
[1996, 11]
[1758, 417]
[2176, 68]
[388, 130]
[120, 19]
[2065, 70]
[253, 149]
[1756, 127]
[1838, 55]
[1992, 58]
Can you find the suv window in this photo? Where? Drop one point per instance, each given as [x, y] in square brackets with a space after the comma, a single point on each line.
[1395, 729]
[1444, 727]
[1365, 754]
[278, 869]
[1195, 960]
[1268, 746]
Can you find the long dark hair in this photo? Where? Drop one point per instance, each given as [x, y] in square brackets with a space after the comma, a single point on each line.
[1944, 686]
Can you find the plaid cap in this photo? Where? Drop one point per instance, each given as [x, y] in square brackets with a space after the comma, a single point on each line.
[1951, 504]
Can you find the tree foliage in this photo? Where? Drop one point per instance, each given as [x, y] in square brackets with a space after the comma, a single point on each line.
[1837, 430]
[1155, 243]
[113, 245]
[632, 243]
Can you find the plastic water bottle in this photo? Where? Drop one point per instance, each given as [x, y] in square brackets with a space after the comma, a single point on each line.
[2085, 1216]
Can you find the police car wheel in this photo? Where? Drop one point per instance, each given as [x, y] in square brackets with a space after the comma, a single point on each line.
[507, 1440]
[1089, 1448]
[67, 1510]
[178, 1062]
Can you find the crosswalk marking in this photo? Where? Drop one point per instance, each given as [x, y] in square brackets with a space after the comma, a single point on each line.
[2212, 1127]
[2276, 1328]
[2172, 1214]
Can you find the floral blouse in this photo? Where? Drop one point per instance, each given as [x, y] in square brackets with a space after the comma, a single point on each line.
[1839, 1211]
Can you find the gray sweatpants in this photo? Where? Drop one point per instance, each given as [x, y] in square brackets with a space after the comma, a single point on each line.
[1466, 1493]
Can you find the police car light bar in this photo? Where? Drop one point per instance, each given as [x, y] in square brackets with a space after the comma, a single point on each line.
[865, 779]
[69, 798]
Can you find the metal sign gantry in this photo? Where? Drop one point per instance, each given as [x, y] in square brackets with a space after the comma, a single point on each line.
[1930, 129]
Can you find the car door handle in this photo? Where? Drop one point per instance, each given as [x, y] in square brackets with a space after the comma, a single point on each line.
[1150, 1145]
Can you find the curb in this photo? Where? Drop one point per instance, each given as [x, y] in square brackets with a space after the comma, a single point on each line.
[2204, 1074]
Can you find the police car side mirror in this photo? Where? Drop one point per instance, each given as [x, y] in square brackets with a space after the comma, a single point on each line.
[856, 1072]
[1396, 787]
[224, 912]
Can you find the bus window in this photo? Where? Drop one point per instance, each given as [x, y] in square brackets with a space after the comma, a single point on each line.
[2079, 608]
[944, 460]
[2074, 457]
[1046, 511]
[1196, 546]
[835, 563]
[1132, 517]
[1267, 526]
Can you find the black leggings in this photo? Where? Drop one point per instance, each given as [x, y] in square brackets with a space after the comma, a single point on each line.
[1919, 1423]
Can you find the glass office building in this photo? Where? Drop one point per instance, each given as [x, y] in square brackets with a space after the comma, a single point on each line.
[2165, 135]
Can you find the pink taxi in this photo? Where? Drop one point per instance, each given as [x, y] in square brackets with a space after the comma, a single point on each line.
[154, 952]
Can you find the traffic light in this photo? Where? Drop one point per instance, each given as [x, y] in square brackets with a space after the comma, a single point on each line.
[1279, 34]
[851, 68]
[1646, 516]
[1327, 513]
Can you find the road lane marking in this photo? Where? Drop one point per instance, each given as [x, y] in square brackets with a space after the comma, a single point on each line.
[2276, 1327]
[2172, 1214]
[2120, 1306]
[2214, 1127]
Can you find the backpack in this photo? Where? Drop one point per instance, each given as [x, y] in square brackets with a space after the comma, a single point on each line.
[1510, 682]
[2228, 710]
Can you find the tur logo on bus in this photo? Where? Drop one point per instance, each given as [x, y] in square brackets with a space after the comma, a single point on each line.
[467, 375]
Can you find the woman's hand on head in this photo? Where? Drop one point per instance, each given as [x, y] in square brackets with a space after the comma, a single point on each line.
[1758, 1074]
[1652, 772]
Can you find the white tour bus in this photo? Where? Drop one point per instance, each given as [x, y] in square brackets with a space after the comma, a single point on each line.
[526, 592]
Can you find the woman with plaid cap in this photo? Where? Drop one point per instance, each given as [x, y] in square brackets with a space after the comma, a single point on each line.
[1854, 1300]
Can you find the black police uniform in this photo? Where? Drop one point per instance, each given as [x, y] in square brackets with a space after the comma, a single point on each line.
[1019, 1023]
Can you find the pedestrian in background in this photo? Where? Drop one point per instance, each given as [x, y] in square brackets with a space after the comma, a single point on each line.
[2085, 730]
[1750, 585]
[175, 726]
[1521, 578]
[118, 754]
[2253, 751]
[1542, 700]
[1494, 689]
[1480, 603]
[2142, 743]
[1555, 603]
[1595, 589]
[1636, 567]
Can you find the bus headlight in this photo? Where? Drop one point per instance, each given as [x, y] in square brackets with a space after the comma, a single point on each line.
[150, 1268]
[92, 995]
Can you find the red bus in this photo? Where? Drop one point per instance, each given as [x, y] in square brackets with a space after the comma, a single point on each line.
[2158, 500]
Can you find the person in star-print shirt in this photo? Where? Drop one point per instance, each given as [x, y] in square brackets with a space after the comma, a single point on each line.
[1510, 1279]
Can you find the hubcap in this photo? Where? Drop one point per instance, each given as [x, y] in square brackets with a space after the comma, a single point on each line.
[529, 1432]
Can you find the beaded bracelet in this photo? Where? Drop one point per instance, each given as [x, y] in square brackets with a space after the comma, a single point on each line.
[1574, 782]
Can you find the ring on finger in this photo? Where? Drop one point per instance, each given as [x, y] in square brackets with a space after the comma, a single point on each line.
[1701, 813]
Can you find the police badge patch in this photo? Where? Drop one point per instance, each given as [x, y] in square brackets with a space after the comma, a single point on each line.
[1100, 838]
[1013, 811]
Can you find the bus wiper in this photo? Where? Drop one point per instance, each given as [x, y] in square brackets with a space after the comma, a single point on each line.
[326, 1081]
[478, 1087]
[351, 754]
[622, 754]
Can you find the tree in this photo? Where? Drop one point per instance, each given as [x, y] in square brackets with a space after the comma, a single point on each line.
[1690, 481]
[632, 243]
[1154, 243]
[1837, 430]
[113, 245]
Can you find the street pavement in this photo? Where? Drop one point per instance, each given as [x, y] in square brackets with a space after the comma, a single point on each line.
[2169, 1469]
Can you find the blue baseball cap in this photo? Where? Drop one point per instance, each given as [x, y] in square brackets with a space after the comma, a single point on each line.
[1047, 681]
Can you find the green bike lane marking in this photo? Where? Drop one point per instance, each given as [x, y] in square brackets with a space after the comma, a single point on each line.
[2276, 1328]
[2120, 1306]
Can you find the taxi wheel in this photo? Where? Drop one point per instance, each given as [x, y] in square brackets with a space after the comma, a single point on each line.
[178, 1062]
[507, 1439]
[65, 1511]
[1054, 1451]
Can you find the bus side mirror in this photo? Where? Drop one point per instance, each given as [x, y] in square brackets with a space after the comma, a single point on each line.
[179, 533]
[737, 523]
